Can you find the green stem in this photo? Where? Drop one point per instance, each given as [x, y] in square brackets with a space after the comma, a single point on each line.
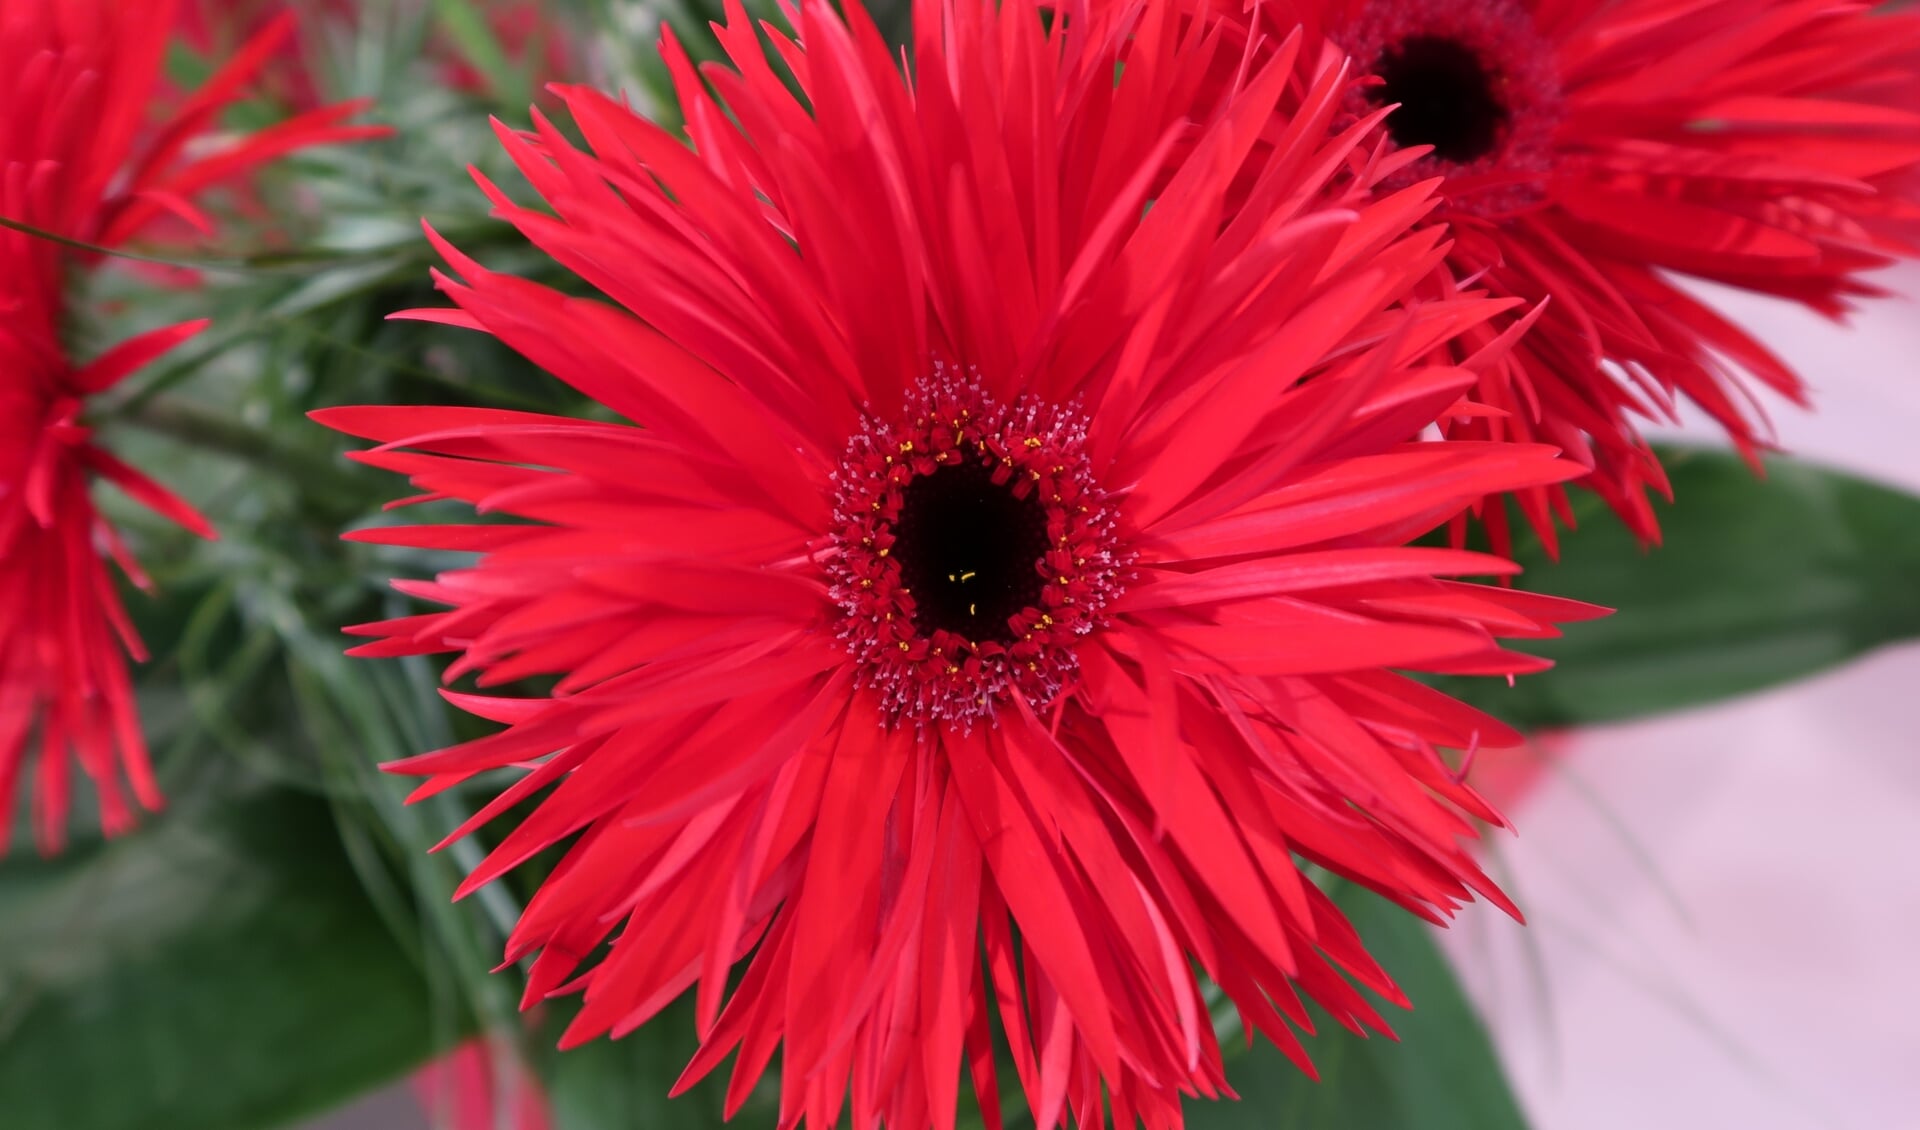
[316, 476]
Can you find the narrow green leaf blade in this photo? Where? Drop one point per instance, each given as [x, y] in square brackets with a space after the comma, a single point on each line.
[221, 969]
[620, 1084]
[1759, 582]
[1442, 1073]
[467, 25]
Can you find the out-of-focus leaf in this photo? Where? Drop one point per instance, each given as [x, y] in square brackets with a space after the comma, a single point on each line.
[467, 25]
[1760, 581]
[621, 1084]
[1441, 1075]
[220, 969]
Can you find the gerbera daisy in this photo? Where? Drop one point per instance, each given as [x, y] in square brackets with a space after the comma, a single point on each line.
[81, 159]
[999, 597]
[1594, 151]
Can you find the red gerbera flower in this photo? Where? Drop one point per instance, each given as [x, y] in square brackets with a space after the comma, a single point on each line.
[80, 159]
[1592, 150]
[999, 596]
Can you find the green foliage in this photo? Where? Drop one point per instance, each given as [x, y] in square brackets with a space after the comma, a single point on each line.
[223, 970]
[1760, 581]
[1441, 1074]
[615, 1084]
[263, 951]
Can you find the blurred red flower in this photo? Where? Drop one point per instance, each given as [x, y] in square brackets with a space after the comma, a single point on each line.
[531, 36]
[1593, 151]
[217, 28]
[534, 40]
[1005, 566]
[82, 159]
[467, 1090]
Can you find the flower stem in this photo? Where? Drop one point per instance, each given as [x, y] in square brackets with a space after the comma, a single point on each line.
[315, 475]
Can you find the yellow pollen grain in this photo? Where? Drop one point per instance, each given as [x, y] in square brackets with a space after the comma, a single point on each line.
[906, 445]
[1033, 442]
[904, 646]
[968, 576]
[884, 552]
[973, 609]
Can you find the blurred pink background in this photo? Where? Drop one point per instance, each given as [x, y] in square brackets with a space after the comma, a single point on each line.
[1723, 902]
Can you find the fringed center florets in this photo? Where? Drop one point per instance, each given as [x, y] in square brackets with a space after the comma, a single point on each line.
[1473, 79]
[972, 548]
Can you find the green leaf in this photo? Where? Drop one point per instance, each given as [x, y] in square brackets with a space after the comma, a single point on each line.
[221, 969]
[470, 31]
[621, 1084]
[1759, 582]
[1441, 1075]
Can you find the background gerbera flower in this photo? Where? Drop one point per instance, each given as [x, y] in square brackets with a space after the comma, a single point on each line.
[1004, 567]
[1593, 150]
[82, 158]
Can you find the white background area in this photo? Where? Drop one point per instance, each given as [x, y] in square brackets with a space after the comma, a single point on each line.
[1724, 908]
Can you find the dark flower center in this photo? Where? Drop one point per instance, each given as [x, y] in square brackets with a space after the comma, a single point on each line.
[972, 550]
[1474, 80]
[1446, 98]
[969, 551]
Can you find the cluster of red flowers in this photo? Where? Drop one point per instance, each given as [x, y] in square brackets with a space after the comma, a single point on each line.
[999, 590]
